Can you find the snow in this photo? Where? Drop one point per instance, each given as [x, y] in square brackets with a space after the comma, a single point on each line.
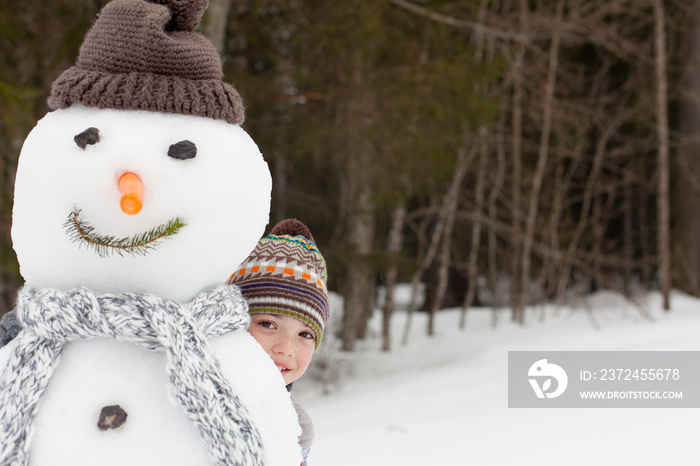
[443, 399]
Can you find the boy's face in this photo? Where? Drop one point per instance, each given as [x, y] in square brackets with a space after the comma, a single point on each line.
[289, 342]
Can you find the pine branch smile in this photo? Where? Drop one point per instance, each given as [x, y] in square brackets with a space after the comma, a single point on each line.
[80, 231]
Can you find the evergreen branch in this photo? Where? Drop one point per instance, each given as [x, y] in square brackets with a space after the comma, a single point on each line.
[82, 232]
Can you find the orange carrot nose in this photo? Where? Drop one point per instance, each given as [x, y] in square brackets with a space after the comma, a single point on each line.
[131, 189]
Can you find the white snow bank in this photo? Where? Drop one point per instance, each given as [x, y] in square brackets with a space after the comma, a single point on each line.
[443, 400]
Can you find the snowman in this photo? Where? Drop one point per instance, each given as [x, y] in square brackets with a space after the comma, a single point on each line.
[135, 199]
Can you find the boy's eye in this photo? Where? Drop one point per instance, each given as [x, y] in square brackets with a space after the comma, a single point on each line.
[307, 335]
[266, 324]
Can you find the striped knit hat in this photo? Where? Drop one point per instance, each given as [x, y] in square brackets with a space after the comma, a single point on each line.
[286, 275]
[147, 55]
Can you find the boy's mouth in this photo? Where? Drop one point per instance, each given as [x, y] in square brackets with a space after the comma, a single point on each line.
[283, 369]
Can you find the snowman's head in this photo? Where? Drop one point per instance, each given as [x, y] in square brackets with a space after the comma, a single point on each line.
[142, 179]
[202, 186]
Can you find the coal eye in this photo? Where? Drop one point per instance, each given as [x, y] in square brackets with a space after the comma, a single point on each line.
[87, 138]
[183, 150]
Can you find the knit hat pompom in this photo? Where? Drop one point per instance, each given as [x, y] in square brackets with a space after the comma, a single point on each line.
[186, 14]
[146, 55]
[292, 227]
[286, 275]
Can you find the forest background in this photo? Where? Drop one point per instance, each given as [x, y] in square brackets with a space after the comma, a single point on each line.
[501, 152]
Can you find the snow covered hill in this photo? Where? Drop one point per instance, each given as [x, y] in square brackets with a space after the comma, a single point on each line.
[444, 400]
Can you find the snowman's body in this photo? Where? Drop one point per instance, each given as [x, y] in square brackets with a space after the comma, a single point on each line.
[69, 230]
[98, 373]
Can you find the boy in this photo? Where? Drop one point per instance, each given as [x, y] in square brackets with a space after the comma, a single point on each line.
[284, 282]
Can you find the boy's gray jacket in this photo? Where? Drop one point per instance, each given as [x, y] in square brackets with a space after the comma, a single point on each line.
[9, 328]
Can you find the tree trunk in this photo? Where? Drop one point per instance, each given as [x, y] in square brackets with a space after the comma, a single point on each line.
[472, 269]
[393, 249]
[516, 216]
[686, 188]
[599, 281]
[358, 287]
[449, 211]
[543, 156]
[663, 203]
[216, 21]
[494, 276]
[423, 265]
[450, 200]
[628, 226]
[360, 220]
[645, 242]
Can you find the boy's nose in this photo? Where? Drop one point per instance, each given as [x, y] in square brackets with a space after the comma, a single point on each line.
[284, 345]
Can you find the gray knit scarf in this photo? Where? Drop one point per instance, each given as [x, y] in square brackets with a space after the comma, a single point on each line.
[53, 318]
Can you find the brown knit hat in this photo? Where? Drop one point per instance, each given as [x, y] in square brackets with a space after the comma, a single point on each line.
[286, 275]
[145, 55]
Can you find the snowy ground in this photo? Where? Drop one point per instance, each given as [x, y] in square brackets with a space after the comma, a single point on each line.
[444, 400]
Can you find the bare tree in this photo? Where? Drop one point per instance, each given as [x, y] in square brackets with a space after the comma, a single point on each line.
[663, 200]
[543, 155]
[358, 289]
[214, 25]
[440, 236]
[573, 243]
[472, 269]
[517, 137]
[449, 211]
[496, 192]
[393, 249]
[687, 187]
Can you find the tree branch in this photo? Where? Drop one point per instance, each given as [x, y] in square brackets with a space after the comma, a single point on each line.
[460, 23]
